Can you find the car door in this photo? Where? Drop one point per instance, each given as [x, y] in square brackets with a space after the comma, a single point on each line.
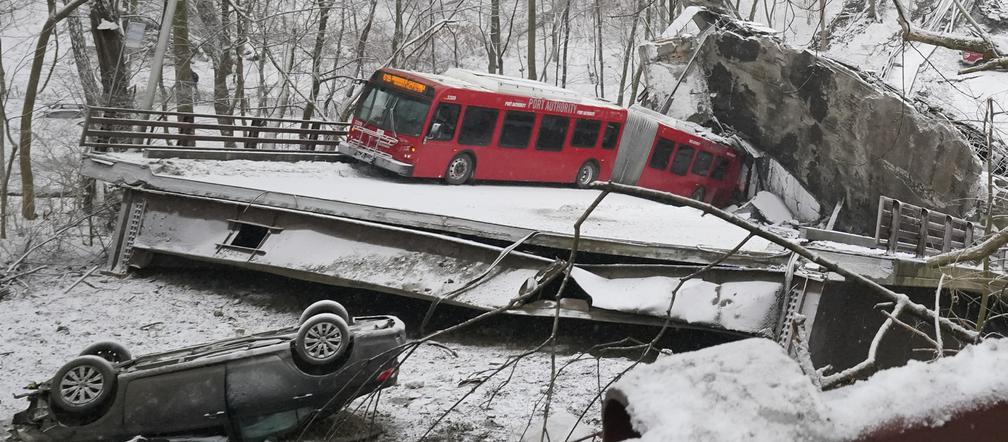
[177, 402]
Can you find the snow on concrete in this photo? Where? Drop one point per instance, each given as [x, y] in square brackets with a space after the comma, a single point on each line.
[771, 207]
[751, 390]
[550, 209]
[749, 306]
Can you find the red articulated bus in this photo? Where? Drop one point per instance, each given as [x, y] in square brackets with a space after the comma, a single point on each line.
[464, 125]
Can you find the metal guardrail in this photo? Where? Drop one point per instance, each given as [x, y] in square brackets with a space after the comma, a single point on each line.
[108, 128]
[903, 227]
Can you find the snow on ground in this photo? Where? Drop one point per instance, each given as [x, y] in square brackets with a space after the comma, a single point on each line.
[43, 327]
[690, 396]
[553, 209]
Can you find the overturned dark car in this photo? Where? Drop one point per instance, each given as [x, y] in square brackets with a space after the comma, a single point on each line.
[247, 388]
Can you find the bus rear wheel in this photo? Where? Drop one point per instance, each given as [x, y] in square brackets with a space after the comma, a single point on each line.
[460, 169]
[586, 174]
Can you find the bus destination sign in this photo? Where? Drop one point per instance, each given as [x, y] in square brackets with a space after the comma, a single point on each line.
[404, 83]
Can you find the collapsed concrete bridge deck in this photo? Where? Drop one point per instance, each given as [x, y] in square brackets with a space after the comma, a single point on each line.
[482, 246]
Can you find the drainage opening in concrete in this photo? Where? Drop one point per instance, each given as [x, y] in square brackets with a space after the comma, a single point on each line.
[249, 236]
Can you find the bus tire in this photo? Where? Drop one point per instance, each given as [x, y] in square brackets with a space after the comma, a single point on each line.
[586, 174]
[699, 194]
[460, 169]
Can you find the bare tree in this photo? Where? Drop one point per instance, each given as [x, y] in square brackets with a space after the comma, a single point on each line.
[218, 46]
[183, 65]
[110, 48]
[324, 7]
[28, 108]
[81, 59]
[531, 39]
[496, 65]
[628, 52]
[598, 49]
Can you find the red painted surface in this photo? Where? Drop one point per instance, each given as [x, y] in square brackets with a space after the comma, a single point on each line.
[494, 162]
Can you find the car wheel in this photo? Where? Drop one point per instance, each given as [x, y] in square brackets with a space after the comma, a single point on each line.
[322, 339]
[83, 384]
[325, 306]
[460, 169]
[113, 352]
[699, 194]
[586, 174]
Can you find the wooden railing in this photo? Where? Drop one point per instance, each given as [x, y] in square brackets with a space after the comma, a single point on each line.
[903, 227]
[118, 129]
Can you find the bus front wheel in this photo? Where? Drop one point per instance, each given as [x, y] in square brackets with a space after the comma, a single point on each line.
[460, 169]
[586, 174]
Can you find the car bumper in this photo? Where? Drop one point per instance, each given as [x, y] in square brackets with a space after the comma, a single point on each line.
[376, 158]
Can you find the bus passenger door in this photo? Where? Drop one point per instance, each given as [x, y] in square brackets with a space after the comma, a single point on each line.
[431, 158]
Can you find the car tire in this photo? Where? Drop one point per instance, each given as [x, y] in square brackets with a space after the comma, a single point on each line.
[699, 194]
[111, 351]
[586, 174]
[83, 384]
[460, 169]
[322, 339]
[325, 306]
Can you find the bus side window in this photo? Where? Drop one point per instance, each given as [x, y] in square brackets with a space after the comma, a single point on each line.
[516, 130]
[720, 168]
[446, 117]
[585, 133]
[477, 126]
[552, 132]
[662, 152]
[703, 162]
[610, 138]
[681, 161]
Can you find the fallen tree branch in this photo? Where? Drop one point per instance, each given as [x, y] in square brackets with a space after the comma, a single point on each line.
[663, 197]
[79, 280]
[974, 253]
[989, 48]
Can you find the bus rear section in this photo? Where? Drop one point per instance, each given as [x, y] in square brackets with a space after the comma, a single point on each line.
[388, 122]
[661, 153]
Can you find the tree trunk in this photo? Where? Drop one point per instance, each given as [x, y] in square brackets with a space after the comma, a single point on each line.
[531, 55]
[566, 40]
[240, 98]
[4, 171]
[309, 110]
[88, 83]
[111, 60]
[361, 45]
[397, 32]
[28, 108]
[183, 66]
[219, 49]
[496, 64]
[628, 52]
[598, 48]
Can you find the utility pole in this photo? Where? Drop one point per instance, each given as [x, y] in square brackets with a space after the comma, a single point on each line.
[159, 53]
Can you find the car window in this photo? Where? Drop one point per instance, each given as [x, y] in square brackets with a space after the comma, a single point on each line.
[516, 129]
[552, 132]
[478, 126]
[611, 136]
[585, 133]
[703, 163]
[682, 160]
[662, 152]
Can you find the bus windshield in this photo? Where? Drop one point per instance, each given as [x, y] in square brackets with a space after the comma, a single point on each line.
[392, 110]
